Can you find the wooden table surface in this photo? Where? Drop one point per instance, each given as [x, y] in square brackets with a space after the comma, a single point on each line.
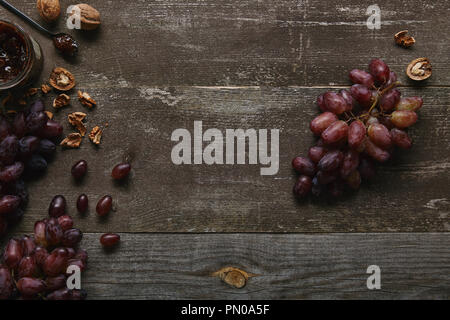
[156, 66]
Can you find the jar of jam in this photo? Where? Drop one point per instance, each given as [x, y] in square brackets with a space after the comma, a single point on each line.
[20, 57]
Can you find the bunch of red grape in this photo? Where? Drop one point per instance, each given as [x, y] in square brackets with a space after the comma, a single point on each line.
[356, 128]
[35, 267]
[27, 143]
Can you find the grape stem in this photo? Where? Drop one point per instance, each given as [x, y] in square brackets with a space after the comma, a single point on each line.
[377, 99]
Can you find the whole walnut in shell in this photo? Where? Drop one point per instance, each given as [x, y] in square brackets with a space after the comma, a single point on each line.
[89, 16]
[49, 10]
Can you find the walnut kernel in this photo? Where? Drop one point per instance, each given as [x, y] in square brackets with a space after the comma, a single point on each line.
[61, 101]
[45, 88]
[62, 79]
[86, 99]
[419, 69]
[76, 120]
[96, 135]
[73, 140]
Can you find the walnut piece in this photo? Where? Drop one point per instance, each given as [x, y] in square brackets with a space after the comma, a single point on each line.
[73, 140]
[404, 40]
[86, 99]
[49, 114]
[49, 10]
[419, 69]
[88, 16]
[45, 88]
[76, 120]
[96, 135]
[61, 101]
[233, 276]
[62, 79]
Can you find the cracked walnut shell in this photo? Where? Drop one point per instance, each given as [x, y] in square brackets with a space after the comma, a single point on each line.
[403, 39]
[96, 135]
[73, 140]
[86, 99]
[419, 69]
[61, 101]
[62, 79]
[88, 16]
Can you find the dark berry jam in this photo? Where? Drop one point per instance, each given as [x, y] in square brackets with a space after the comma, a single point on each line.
[67, 45]
[13, 53]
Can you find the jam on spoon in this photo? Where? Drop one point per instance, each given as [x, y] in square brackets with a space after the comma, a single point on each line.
[66, 44]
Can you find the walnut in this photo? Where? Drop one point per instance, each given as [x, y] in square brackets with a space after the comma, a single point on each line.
[45, 88]
[86, 99]
[233, 276]
[419, 69]
[73, 140]
[96, 135]
[402, 39]
[61, 101]
[49, 9]
[62, 79]
[76, 120]
[88, 16]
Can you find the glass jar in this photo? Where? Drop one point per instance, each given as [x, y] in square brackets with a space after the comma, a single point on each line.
[20, 57]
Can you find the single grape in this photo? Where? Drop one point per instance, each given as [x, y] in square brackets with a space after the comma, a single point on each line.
[82, 204]
[40, 255]
[380, 135]
[36, 165]
[323, 121]
[403, 119]
[57, 206]
[304, 166]
[28, 246]
[362, 95]
[39, 233]
[55, 283]
[46, 148]
[335, 132]
[334, 103]
[66, 222]
[348, 99]
[9, 147]
[104, 206]
[316, 153]
[27, 146]
[37, 106]
[51, 129]
[303, 186]
[392, 79]
[379, 70]
[361, 77]
[53, 232]
[376, 152]
[11, 173]
[6, 283]
[56, 262]
[331, 161]
[30, 287]
[35, 121]
[409, 103]
[60, 294]
[389, 100]
[72, 237]
[13, 254]
[400, 138]
[321, 103]
[386, 121]
[28, 267]
[350, 163]
[9, 204]
[79, 169]
[121, 171]
[356, 134]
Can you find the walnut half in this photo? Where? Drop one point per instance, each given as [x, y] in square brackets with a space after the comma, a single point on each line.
[61, 101]
[96, 135]
[403, 39]
[73, 140]
[419, 69]
[62, 79]
[76, 120]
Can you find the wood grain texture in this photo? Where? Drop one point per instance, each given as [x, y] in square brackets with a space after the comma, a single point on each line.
[413, 266]
[409, 194]
[274, 43]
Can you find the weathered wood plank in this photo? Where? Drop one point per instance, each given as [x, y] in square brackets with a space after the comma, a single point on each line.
[237, 42]
[167, 266]
[409, 194]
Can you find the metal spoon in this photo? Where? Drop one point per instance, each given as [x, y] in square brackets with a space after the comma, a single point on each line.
[64, 42]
